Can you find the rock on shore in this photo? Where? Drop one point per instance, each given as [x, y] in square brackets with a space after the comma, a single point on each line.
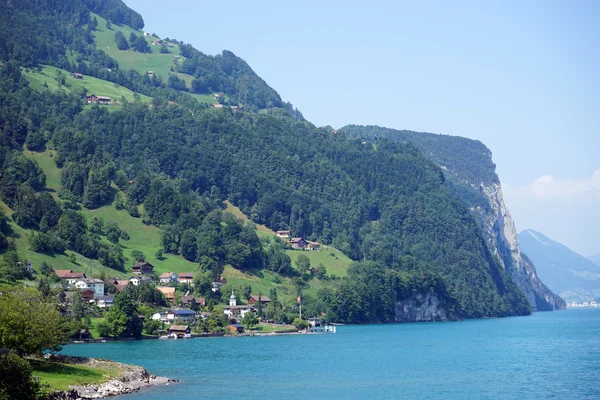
[131, 379]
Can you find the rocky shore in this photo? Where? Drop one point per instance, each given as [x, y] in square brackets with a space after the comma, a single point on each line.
[127, 379]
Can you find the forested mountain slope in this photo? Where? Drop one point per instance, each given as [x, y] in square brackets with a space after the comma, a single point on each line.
[420, 253]
[471, 176]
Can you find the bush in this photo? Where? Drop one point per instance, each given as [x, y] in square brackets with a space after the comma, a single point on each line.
[103, 329]
[300, 324]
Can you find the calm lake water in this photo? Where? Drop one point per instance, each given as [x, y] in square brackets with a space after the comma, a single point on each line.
[552, 355]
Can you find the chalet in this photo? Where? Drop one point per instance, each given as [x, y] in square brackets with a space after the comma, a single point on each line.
[298, 243]
[137, 280]
[217, 105]
[157, 42]
[106, 301]
[284, 234]
[314, 245]
[237, 108]
[68, 275]
[143, 268]
[186, 277]
[146, 34]
[93, 99]
[168, 277]
[168, 292]
[169, 317]
[235, 328]
[97, 285]
[150, 73]
[253, 299]
[77, 75]
[176, 58]
[87, 294]
[180, 331]
[187, 300]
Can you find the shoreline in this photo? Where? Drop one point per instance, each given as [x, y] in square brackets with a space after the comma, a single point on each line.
[130, 379]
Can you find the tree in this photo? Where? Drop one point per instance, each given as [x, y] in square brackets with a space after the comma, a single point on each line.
[260, 305]
[16, 381]
[300, 324]
[46, 269]
[138, 256]
[152, 327]
[122, 318]
[29, 322]
[108, 24]
[303, 263]
[249, 321]
[121, 41]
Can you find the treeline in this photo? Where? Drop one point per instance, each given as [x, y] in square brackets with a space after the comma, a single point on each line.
[229, 74]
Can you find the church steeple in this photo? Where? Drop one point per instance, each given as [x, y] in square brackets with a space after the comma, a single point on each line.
[232, 299]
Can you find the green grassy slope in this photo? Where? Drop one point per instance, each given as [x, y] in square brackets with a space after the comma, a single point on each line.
[59, 376]
[147, 239]
[93, 85]
[144, 238]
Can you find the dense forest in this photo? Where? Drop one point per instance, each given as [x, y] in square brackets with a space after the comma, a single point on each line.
[386, 205]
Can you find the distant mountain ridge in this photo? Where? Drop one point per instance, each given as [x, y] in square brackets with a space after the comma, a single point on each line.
[563, 270]
[595, 259]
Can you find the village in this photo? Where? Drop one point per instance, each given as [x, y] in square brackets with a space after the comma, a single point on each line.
[179, 313]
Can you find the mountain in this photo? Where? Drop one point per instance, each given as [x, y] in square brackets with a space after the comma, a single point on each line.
[595, 258]
[470, 174]
[165, 154]
[563, 270]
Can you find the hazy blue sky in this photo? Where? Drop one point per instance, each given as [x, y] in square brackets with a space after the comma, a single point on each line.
[523, 77]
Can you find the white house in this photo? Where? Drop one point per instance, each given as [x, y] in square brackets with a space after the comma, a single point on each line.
[136, 280]
[106, 301]
[168, 317]
[168, 277]
[97, 285]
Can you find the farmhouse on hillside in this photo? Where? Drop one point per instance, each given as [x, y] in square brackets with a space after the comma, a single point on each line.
[298, 243]
[254, 298]
[314, 245]
[93, 99]
[284, 234]
[144, 268]
[77, 75]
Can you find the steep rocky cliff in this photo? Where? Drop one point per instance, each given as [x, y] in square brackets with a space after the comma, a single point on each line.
[470, 174]
[424, 307]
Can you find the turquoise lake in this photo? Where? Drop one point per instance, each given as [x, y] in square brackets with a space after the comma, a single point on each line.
[551, 355]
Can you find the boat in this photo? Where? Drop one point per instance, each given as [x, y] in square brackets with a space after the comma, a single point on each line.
[317, 326]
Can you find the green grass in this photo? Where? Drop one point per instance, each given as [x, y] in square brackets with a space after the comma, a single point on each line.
[59, 376]
[275, 328]
[145, 238]
[156, 62]
[94, 327]
[93, 85]
[336, 264]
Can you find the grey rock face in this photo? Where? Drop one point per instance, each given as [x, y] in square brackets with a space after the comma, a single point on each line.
[501, 238]
[423, 307]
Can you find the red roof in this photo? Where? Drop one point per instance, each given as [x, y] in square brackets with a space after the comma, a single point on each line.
[68, 274]
[166, 275]
[187, 275]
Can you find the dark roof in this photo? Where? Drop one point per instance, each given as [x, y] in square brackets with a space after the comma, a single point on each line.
[263, 298]
[183, 312]
[142, 264]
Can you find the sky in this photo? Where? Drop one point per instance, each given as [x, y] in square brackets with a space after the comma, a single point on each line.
[520, 76]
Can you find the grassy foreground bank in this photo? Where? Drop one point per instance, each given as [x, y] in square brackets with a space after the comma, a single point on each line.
[59, 376]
